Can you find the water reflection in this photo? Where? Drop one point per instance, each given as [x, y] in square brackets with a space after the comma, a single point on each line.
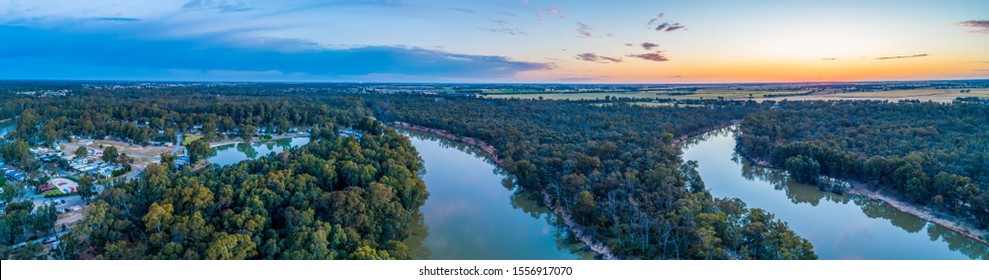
[474, 212]
[839, 226]
[797, 192]
[417, 240]
[235, 153]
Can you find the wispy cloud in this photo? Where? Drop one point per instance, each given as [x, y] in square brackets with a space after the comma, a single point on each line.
[49, 53]
[657, 56]
[656, 19]
[669, 27]
[902, 56]
[557, 13]
[592, 57]
[505, 27]
[465, 10]
[119, 19]
[664, 26]
[829, 58]
[981, 26]
[585, 30]
[226, 6]
[649, 46]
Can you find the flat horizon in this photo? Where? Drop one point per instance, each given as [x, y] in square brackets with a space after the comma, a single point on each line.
[545, 41]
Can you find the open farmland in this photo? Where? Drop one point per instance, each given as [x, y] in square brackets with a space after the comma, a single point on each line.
[935, 95]
[659, 94]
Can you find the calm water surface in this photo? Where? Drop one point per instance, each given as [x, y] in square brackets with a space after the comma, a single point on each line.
[840, 227]
[235, 153]
[471, 214]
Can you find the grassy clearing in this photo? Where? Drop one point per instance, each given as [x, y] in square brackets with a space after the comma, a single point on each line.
[189, 138]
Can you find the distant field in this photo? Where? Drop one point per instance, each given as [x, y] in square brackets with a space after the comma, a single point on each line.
[664, 104]
[574, 96]
[701, 94]
[189, 138]
[936, 95]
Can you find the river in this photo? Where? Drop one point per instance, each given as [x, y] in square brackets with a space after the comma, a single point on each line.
[235, 153]
[839, 226]
[473, 212]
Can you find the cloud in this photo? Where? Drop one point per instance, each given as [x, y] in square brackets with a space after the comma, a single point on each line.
[225, 6]
[556, 12]
[656, 19]
[649, 46]
[117, 19]
[508, 14]
[505, 27]
[665, 26]
[54, 53]
[592, 57]
[981, 26]
[584, 30]
[669, 27]
[657, 56]
[465, 10]
[829, 58]
[901, 56]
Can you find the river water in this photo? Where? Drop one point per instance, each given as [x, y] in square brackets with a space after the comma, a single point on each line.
[474, 213]
[839, 226]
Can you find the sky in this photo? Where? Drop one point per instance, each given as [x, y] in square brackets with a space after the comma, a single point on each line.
[500, 41]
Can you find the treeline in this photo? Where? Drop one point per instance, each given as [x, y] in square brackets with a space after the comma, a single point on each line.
[141, 117]
[615, 170]
[144, 116]
[335, 198]
[933, 154]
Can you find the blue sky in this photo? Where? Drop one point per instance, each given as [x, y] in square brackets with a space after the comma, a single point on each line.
[494, 41]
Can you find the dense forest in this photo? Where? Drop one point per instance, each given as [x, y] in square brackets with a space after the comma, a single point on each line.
[615, 169]
[933, 154]
[334, 198]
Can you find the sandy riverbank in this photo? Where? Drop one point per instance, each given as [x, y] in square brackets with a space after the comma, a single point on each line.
[487, 148]
[862, 190]
[681, 138]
